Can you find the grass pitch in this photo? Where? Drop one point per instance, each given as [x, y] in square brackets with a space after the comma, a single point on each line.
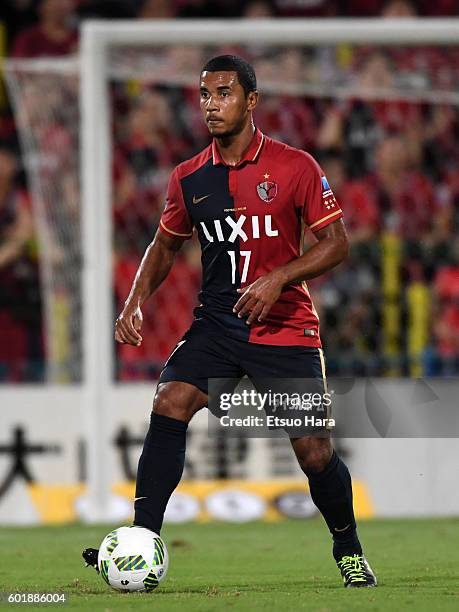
[250, 567]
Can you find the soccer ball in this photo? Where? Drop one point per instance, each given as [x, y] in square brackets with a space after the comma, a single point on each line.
[133, 559]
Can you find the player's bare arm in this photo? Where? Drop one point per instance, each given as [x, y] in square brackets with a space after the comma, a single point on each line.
[331, 249]
[153, 269]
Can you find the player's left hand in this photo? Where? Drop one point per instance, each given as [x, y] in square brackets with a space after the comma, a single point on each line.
[258, 298]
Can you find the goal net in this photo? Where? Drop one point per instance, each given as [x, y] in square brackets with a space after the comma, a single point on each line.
[375, 102]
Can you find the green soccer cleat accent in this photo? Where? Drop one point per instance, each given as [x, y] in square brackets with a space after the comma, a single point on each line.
[356, 572]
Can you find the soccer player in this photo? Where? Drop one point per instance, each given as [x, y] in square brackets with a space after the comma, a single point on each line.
[247, 197]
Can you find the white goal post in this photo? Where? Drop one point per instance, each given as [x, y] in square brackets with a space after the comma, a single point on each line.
[98, 37]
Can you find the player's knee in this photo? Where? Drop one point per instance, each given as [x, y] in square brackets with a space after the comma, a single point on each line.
[164, 404]
[173, 401]
[314, 454]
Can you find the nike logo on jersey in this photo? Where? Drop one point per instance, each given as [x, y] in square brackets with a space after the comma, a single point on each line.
[197, 200]
[138, 498]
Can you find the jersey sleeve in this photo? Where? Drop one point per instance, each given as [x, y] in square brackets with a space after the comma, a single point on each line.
[318, 204]
[175, 220]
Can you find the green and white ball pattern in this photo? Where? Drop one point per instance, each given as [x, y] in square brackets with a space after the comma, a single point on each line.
[133, 559]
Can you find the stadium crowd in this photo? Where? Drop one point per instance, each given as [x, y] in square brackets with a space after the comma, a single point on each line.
[392, 308]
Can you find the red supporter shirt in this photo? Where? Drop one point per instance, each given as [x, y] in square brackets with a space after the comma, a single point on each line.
[33, 42]
[361, 209]
[411, 210]
[249, 219]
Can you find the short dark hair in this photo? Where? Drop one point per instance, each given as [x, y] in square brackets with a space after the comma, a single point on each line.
[234, 63]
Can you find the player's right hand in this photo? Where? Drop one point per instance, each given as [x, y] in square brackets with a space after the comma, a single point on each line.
[128, 326]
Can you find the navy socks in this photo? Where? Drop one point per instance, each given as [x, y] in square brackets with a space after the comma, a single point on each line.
[160, 469]
[331, 491]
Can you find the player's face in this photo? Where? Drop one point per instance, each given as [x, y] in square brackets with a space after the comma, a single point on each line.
[225, 107]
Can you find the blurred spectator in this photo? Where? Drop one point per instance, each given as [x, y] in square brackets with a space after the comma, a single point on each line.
[441, 145]
[106, 9]
[21, 356]
[439, 8]
[331, 131]
[258, 9]
[54, 35]
[405, 197]
[143, 162]
[362, 8]
[156, 9]
[311, 8]
[444, 358]
[376, 72]
[360, 208]
[201, 9]
[399, 8]
[15, 220]
[17, 15]
[361, 133]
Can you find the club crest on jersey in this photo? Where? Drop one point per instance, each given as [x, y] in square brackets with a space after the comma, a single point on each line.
[267, 191]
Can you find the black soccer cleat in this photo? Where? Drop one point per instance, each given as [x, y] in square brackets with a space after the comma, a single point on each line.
[356, 572]
[90, 556]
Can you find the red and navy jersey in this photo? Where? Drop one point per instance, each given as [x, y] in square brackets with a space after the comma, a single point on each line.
[250, 219]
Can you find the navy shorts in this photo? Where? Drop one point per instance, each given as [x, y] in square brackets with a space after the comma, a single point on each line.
[204, 352]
